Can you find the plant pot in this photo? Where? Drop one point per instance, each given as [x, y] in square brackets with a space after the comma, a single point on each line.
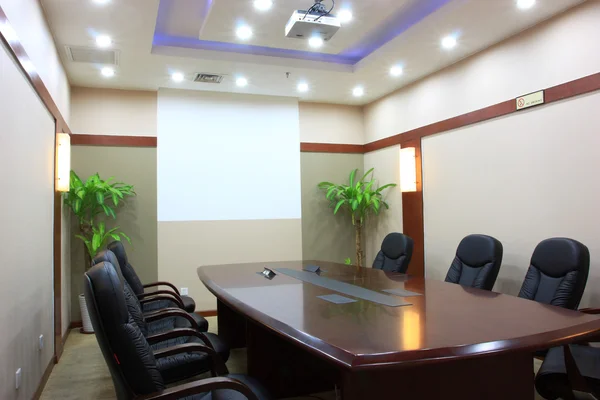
[86, 322]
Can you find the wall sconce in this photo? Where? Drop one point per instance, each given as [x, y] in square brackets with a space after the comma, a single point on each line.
[63, 162]
[408, 170]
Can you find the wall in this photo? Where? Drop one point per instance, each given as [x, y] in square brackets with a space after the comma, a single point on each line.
[331, 123]
[26, 216]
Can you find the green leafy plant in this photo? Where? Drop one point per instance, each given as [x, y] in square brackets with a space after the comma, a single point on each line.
[93, 200]
[360, 199]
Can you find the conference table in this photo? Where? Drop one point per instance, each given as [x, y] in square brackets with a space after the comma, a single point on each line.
[431, 340]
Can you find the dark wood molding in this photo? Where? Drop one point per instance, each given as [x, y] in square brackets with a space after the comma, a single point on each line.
[44, 380]
[306, 147]
[25, 63]
[574, 88]
[75, 324]
[113, 140]
[207, 313]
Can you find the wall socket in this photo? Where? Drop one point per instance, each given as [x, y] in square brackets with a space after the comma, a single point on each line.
[41, 343]
[183, 291]
[18, 379]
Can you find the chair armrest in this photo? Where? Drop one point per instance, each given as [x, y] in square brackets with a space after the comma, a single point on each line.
[201, 386]
[590, 310]
[153, 284]
[176, 333]
[172, 312]
[219, 367]
[162, 296]
[154, 293]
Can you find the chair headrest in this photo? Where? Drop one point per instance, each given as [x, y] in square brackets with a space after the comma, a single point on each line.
[119, 250]
[106, 292]
[478, 250]
[557, 256]
[395, 245]
[109, 256]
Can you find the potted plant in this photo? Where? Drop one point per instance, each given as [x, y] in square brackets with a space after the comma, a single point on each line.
[92, 201]
[359, 199]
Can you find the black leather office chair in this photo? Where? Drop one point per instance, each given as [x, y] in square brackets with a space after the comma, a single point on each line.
[477, 262]
[135, 368]
[568, 368]
[558, 273]
[166, 296]
[396, 251]
[183, 301]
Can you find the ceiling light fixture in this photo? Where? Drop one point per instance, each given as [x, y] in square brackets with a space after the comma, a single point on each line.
[449, 42]
[303, 87]
[101, 1]
[345, 15]
[244, 32]
[358, 91]
[315, 42]
[241, 81]
[525, 4]
[103, 41]
[263, 5]
[177, 76]
[108, 72]
[396, 70]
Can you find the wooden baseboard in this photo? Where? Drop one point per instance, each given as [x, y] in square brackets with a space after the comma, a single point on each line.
[44, 380]
[75, 324]
[207, 313]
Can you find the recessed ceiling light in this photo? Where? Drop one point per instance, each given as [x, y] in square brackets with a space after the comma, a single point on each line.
[396, 70]
[244, 32]
[103, 41]
[177, 76]
[358, 91]
[108, 72]
[345, 15]
[241, 81]
[303, 87]
[263, 5]
[101, 1]
[315, 42]
[449, 42]
[525, 4]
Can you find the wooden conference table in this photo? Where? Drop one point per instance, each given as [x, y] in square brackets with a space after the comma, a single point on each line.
[452, 342]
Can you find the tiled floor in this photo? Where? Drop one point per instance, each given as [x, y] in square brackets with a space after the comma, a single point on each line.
[82, 373]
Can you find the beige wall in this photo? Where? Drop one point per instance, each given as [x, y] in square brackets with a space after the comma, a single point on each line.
[136, 166]
[326, 236]
[186, 245]
[113, 112]
[26, 217]
[331, 123]
[521, 179]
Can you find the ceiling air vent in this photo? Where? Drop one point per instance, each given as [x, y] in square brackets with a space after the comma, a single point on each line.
[208, 78]
[91, 55]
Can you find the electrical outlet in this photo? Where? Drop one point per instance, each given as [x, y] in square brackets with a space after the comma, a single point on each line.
[184, 291]
[18, 379]
[41, 343]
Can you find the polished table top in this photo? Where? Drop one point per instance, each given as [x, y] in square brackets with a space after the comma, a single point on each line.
[447, 321]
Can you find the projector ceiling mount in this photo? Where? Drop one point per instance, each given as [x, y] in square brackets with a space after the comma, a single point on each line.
[317, 21]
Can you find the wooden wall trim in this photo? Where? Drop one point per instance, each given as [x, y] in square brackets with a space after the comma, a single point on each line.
[113, 140]
[44, 380]
[207, 313]
[307, 147]
[25, 64]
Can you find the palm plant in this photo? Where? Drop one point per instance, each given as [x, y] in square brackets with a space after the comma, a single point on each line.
[360, 199]
[90, 200]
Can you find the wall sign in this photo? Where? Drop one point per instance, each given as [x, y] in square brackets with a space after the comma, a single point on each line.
[530, 100]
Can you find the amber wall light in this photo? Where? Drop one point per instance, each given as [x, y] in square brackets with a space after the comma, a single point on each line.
[408, 170]
[63, 162]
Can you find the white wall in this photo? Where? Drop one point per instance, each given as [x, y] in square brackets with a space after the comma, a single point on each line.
[26, 217]
[227, 157]
[27, 19]
[522, 178]
[331, 123]
[560, 50]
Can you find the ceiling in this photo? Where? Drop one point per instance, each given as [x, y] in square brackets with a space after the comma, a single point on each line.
[155, 38]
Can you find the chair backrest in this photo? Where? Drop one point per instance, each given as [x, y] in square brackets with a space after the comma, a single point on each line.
[129, 357]
[557, 273]
[133, 303]
[477, 262]
[128, 272]
[396, 251]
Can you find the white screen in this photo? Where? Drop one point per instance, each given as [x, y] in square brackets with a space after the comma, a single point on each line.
[227, 157]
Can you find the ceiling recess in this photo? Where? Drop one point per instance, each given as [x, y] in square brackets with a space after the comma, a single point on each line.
[208, 78]
[92, 55]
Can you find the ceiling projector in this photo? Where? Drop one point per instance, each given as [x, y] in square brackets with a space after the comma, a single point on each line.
[316, 21]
